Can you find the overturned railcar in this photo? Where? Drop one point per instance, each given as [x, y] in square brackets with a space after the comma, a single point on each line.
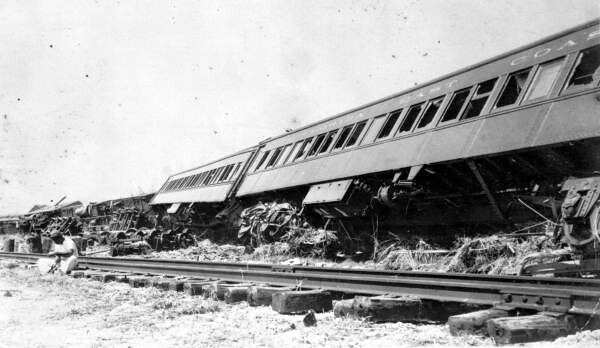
[491, 143]
[509, 139]
[199, 198]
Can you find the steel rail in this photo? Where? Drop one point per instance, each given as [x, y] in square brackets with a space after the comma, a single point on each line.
[566, 295]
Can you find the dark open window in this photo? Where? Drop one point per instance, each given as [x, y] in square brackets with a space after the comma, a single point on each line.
[315, 147]
[234, 172]
[514, 86]
[284, 154]
[275, 157]
[458, 100]
[342, 138]
[356, 133]
[262, 160]
[389, 124]
[410, 118]
[587, 69]
[225, 173]
[303, 149]
[430, 111]
[215, 175]
[327, 142]
[479, 98]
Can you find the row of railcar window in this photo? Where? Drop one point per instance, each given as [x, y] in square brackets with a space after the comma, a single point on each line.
[523, 86]
[209, 177]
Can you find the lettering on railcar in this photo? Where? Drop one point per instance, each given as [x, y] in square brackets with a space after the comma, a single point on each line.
[546, 50]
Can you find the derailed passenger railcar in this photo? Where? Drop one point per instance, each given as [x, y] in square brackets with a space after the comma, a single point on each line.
[475, 146]
[194, 198]
[492, 143]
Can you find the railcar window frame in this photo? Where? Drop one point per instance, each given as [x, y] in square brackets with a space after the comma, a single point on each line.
[559, 63]
[362, 125]
[389, 125]
[284, 154]
[572, 88]
[316, 145]
[413, 122]
[342, 138]
[293, 152]
[431, 122]
[328, 142]
[263, 159]
[274, 157]
[201, 178]
[450, 105]
[519, 98]
[301, 151]
[215, 176]
[475, 96]
[375, 128]
[234, 171]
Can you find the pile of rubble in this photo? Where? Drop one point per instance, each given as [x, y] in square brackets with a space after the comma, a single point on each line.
[205, 250]
[268, 223]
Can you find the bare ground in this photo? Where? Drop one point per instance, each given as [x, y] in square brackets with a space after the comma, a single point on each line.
[58, 311]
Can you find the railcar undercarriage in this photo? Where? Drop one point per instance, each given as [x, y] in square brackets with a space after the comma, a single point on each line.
[559, 184]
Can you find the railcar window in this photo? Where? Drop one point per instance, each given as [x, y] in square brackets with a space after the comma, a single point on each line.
[458, 100]
[356, 133]
[262, 160]
[208, 177]
[176, 184]
[225, 173]
[234, 171]
[544, 79]
[430, 111]
[284, 154]
[275, 157]
[201, 178]
[303, 149]
[316, 144]
[479, 98]
[410, 118]
[513, 88]
[294, 152]
[179, 183]
[194, 179]
[342, 138]
[587, 69]
[374, 129]
[328, 141]
[215, 176]
[389, 124]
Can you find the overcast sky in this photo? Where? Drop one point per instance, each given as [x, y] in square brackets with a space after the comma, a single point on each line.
[104, 99]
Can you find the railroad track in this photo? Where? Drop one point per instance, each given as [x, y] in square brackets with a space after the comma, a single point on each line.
[560, 296]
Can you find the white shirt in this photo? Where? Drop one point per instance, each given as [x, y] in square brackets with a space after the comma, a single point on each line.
[67, 246]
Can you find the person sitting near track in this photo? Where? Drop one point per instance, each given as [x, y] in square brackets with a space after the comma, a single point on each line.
[65, 251]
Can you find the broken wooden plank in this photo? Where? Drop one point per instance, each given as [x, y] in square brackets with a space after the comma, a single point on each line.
[288, 302]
